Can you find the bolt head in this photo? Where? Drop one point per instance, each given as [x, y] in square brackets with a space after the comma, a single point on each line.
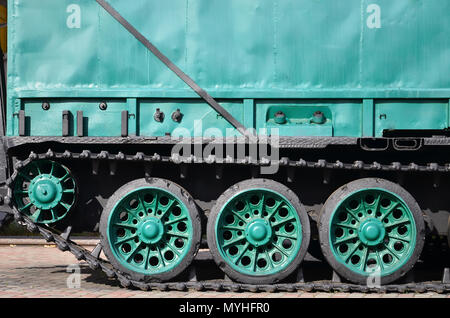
[159, 116]
[177, 116]
[319, 117]
[280, 117]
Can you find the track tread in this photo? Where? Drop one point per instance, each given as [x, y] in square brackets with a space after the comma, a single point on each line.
[50, 235]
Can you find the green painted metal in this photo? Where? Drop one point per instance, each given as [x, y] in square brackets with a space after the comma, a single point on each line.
[341, 118]
[368, 120]
[301, 53]
[198, 118]
[96, 122]
[45, 191]
[258, 232]
[133, 113]
[149, 231]
[412, 114]
[372, 230]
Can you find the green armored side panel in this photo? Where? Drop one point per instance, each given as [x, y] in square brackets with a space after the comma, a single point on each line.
[365, 65]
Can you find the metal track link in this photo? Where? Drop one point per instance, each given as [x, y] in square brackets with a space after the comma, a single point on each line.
[224, 285]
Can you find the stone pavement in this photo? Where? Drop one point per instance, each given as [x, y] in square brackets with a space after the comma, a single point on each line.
[42, 272]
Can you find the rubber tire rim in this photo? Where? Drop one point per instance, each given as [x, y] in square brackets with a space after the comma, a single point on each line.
[178, 192]
[343, 192]
[215, 213]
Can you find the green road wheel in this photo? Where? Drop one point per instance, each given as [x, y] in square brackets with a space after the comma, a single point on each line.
[371, 227]
[258, 232]
[150, 229]
[45, 191]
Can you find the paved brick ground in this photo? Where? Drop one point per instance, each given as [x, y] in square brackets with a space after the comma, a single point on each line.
[41, 271]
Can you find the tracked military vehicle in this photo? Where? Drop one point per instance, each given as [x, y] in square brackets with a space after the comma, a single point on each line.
[259, 130]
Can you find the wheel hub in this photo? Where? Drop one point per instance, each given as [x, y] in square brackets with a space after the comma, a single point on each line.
[45, 191]
[258, 232]
[371, 232]
[150, 230]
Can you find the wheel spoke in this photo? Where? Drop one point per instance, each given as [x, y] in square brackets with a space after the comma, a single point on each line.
[54, 216]
[376, 203]
[391, 251]
[178, 235]
[141, 203]
[346, 239]
[247, 207]
[128, 210]
[380, 263]
[274, 209]
[239, 216]
[173, 250]
[280, 250]
[176, 220]
[397, 223]
[36, 215]
[283, 222]
[286, 236]
[52, 168]
[364, 259]
[126, 239]
[156, 204]
[167, 209]
[363, 204]
[234, 228]
[146, 258]
[255, 260]
[261, 206]
[239, 239]
[355, 247]
[133, 251]
[238, 258]
[29, 204]
[36, 166]
[388, 212]
[129, 226]
[160, 256]
[346, 226]
[403, 239]
[65, 205]
[351, 213]
[269, 260]
[63, 178]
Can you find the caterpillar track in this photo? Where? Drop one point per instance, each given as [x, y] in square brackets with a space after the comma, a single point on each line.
[63, 242]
